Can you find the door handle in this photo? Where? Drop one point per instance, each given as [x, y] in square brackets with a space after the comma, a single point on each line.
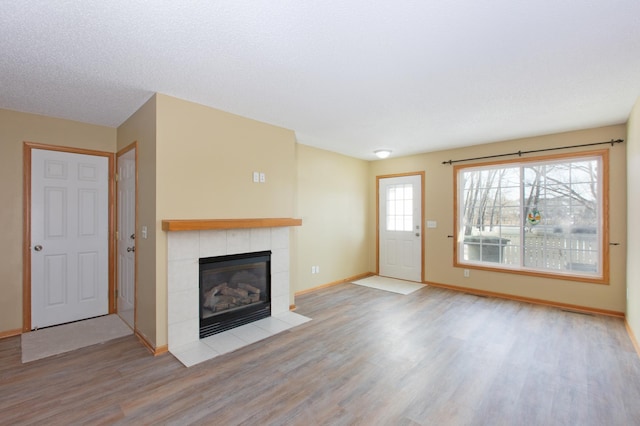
[132, 236]
[130, 249]
[38, 248]
[417, 234]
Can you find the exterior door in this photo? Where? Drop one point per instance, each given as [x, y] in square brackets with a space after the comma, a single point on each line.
[126, 236]
[400, 231]
[69, 237]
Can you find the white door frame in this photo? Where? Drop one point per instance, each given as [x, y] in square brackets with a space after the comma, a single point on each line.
[422, 219]
[133, 146]
[26, 224]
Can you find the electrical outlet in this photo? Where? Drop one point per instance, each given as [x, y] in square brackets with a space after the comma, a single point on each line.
[262, 178]
[466, 273]
[256, 177]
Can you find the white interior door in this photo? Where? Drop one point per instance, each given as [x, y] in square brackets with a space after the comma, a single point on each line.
[400, 216]
[126, 236]
[69, 237]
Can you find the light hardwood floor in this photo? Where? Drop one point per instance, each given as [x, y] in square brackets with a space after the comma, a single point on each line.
[434, 357]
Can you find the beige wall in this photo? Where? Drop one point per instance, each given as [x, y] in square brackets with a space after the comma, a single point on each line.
[633, 225]
[186, 150]
[332, 202]
[204, 165]
[141, 128]
[439, 207]
[205, 162]
[16, 128]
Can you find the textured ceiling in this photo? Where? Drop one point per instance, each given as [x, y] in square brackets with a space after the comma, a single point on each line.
[349, 76]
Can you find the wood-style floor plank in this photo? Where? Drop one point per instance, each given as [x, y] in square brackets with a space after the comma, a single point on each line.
[368, 357]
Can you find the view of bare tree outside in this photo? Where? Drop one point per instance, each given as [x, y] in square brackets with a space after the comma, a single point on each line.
[543, 215]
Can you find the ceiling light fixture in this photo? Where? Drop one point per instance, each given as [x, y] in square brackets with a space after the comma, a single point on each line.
[382, 153]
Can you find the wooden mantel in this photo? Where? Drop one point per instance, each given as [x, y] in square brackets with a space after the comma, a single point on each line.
[204, 224]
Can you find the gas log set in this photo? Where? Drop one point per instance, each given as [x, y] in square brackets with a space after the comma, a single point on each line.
[222, 297]
[234, 290]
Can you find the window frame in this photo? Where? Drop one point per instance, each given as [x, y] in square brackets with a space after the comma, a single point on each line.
[603, 278]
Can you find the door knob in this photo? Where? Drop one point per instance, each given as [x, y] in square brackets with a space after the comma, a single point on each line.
[130, 249]
[417, 234]
[132, 236]
[38, 247]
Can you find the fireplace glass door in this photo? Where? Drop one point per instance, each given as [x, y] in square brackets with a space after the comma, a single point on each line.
[234, 290]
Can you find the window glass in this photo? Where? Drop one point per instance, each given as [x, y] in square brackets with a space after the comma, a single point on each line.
[533, 215]
[399, 207]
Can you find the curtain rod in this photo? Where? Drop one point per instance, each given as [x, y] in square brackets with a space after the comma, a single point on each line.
[519, 153]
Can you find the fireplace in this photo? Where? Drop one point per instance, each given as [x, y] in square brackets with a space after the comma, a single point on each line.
[234, 290]
[185, 248]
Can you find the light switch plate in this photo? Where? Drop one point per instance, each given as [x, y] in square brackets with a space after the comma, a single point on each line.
[432, 224]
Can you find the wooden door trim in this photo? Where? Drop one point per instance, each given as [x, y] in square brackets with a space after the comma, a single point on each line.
[133, 145]
[422, 221]
[26, 222]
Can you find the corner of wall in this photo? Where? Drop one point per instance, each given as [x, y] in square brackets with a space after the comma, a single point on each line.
[141, 127]
[633, 227]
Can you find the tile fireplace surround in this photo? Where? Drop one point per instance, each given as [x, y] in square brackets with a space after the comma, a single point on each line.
[186, 247]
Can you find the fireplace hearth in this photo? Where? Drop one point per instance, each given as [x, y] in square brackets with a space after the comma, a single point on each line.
[185, 248]
[234, 290]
